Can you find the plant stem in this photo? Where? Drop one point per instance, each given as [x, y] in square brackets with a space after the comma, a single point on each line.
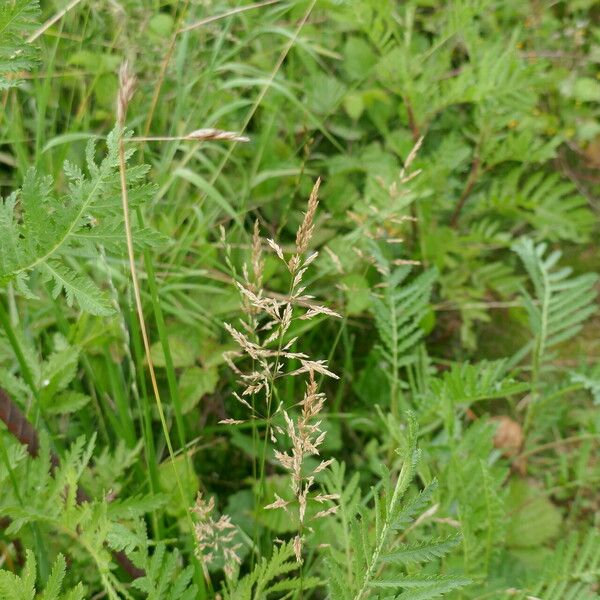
[403, 480]
[146, 342]
[472, 179]
[20, 356]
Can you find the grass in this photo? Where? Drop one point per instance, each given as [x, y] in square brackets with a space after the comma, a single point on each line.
[364, 228]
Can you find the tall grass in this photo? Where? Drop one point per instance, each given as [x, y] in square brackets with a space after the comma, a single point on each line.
[347, 345]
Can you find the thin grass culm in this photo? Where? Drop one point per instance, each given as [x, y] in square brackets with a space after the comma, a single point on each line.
[126, 90]
[223, 378]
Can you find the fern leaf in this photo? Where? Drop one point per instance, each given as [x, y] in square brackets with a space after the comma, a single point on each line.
[572, 571]
[372, 550]
[264, 575]
[465, 383]
[17, 17]
[39, 232]
[163, 579]
[422, 551]
[551, 205]
[399, 312]
[560, 305]
[415, 506]
[78, 287]
[424, 588]
[23, 587]
[54, 583]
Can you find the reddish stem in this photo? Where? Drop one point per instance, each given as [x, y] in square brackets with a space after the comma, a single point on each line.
[23, 430]
[473, 175]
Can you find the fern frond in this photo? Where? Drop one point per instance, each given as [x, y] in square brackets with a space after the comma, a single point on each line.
[425, 551]
[474, 493]
[466, 383]
[39, 232]
[17, 17]
[267, 576]
[378, 560]
[23, 587]
[164, 580]
[77, 287]
[54, 504]
[551, 205]
[399, 311]
[560, 304]
[421, 588]
[573, 570]
[163, 577]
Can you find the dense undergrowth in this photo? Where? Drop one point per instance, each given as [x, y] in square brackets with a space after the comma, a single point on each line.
[298, 300]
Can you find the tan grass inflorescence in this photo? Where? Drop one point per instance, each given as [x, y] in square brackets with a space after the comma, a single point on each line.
[263, 337]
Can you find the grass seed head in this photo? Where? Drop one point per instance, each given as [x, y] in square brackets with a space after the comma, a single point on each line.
[306, 229]
[215, 538]
[127, 83]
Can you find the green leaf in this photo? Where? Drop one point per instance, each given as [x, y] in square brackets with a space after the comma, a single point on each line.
[161, 24]
[560, 304]
[17, 17]
[23, 588]
[354, 105]
[169, 473]
[195, 383]
[534, 519]
[586, 89]
[40, 233]
[425, 551]
[78, 287]
[66, 402]
[359, 58]
[183, 353]
[358, 293]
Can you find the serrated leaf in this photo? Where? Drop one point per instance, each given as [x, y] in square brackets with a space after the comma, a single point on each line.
[78, 287]
[66, 402]
[422, 551]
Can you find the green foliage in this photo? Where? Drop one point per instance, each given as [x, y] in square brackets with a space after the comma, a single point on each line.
[52, 502]
[560, 305]
[377, 559]
[533, 518]
[54, 506]
[399, 316]
[17, 18]
[270, 576]
[475, 496]
[572, 570]
[163, 576]
[38, 232]
[23, 587]
[458, 145]
[399, 313]
[464, 384]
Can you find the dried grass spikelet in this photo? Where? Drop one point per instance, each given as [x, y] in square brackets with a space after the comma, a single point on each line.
[409, 160]
[214, 135]
[258, 263]
[127, 83]
[215, 538]
[261, 334]
[263, 337]
[306, 437]
[306, 229]
[384, 218]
